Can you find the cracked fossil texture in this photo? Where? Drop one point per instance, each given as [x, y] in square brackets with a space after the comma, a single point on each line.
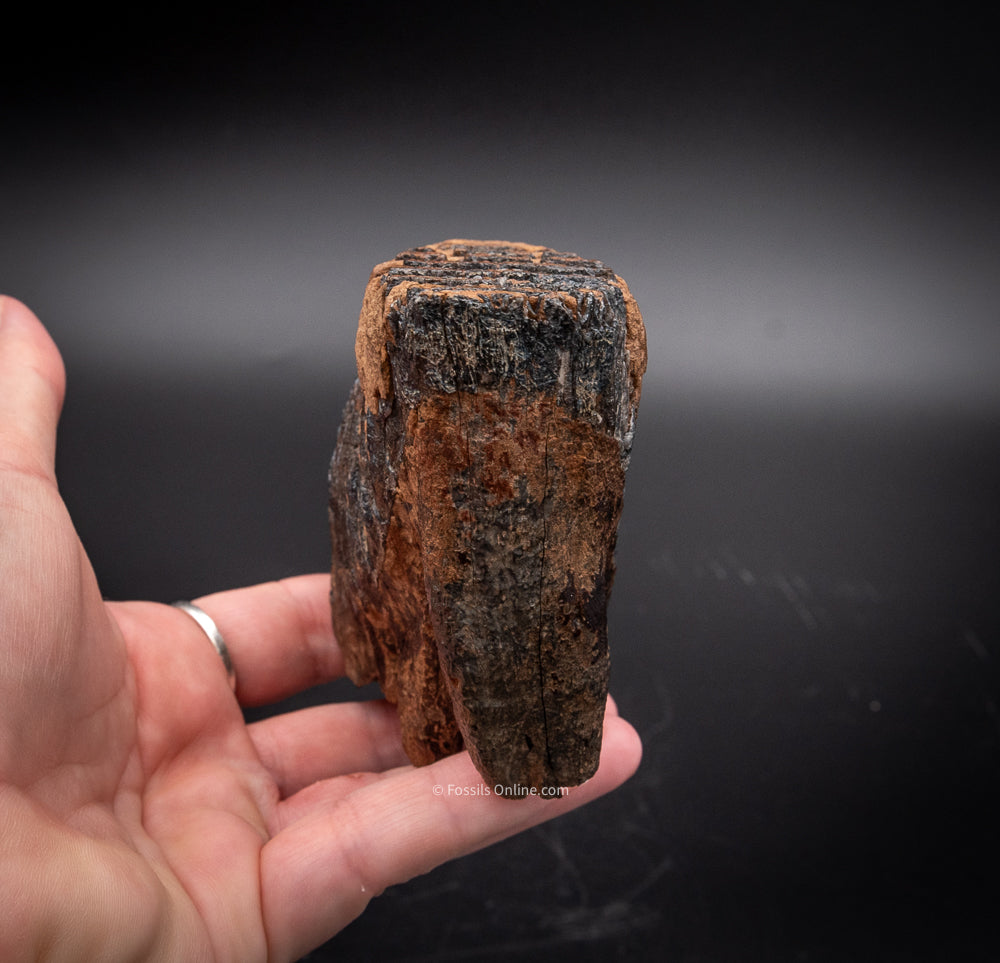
[475, 494]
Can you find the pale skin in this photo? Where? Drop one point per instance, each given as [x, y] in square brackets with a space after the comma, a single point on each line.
[140, 817]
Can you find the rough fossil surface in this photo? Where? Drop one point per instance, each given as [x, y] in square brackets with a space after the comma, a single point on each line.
[475, 494]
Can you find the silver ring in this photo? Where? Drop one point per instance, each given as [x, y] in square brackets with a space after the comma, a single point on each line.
[210, 629]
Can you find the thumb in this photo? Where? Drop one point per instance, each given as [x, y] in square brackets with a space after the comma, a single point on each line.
[32, 385]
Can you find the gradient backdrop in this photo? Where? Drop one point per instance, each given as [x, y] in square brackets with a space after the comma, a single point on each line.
[804, 199]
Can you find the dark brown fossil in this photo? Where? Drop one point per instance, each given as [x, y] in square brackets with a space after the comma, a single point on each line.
[475, 494]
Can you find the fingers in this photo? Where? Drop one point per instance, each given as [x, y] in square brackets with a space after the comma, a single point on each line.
[279, 636]
[301, 748]
[32, 385]
[320, 872]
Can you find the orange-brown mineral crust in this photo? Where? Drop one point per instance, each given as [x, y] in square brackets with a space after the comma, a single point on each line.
[475, 494]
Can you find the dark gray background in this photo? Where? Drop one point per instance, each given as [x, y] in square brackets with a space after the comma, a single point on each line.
[804, 200]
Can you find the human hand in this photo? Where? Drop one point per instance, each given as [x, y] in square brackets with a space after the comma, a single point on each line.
[140, 817]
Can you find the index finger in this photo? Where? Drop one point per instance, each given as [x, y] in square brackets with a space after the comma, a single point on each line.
[279, 635]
